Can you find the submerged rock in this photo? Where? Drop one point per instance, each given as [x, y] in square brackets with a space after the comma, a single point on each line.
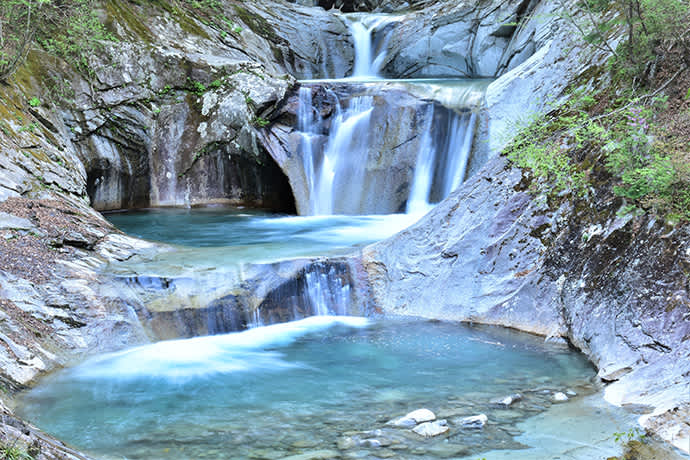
[430, 429]
[323, 454]
[474, 422]
[507, 400]
[448, 450]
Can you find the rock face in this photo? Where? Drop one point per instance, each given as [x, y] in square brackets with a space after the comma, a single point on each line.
[306, 42]
[457, 39]
[178, 125]
[171, 114]
[542, 60]
[54, 306]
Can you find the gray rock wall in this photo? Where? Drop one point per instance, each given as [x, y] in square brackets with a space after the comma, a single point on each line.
[457, 39]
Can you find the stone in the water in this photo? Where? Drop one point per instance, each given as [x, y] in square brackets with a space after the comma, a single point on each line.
[372, 443]
[475, 421]
[507, 401]
[559, 397]
[430, 429]
[266, 454]
[345, 443]
[304, 443]
[413, 418]
[448, 450]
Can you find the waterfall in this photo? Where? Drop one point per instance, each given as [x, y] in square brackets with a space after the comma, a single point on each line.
[308, 131]
[342, 165]
[370, 50]
[441, 165]
[457, 150]
[321, 289]
[418, 203]
[326, 293]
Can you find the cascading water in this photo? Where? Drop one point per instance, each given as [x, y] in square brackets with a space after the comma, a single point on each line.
[459, 146]
[308, 131]
[319, 291]
[340, 166]
[418, 203]
[442, 164]
[344, 160]
[326, 292]
[336, 152]
[370, 50]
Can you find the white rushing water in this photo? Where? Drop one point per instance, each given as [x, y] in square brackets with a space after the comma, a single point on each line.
[446, 147]
[248, 350]
[370, 40]
[341, 164]
[442, 161]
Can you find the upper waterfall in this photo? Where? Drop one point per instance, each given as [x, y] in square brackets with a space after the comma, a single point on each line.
[370, 39]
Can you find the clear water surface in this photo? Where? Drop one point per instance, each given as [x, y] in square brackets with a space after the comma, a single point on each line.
[320, 384]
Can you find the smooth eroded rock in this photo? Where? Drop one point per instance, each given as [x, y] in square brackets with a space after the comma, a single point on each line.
[430, 429]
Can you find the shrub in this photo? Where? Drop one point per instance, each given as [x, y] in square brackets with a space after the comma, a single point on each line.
[650, 28]
[66, 28]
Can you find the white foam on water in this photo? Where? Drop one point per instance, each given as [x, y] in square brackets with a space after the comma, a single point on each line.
[249, 350]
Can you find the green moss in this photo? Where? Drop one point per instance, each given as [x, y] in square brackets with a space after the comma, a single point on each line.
[257, 24]
[135, 21]
[119, 12]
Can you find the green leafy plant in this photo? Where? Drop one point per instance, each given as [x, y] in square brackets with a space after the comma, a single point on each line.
[633, 434]
[30, 127]
[13, 452]
[541, 146]
[34, 102]
[196, 87]
[74, 32]
[69, 29]
[261, 122]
